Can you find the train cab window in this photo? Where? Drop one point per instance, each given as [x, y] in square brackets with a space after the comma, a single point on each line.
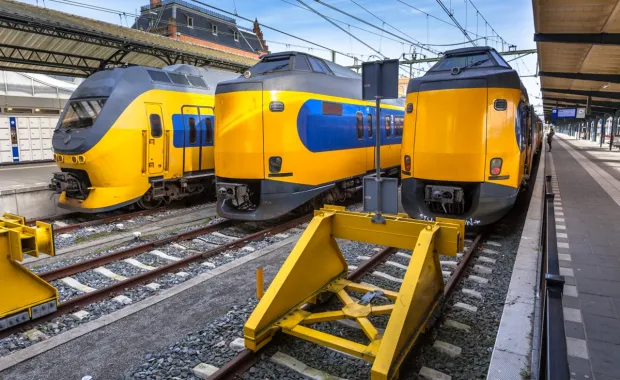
[193, 132]
[499, 59]
[196, 81]
[209, 129]
[318, 66]
[156, 129]
[369, 125]
[271, 65]
[334, 109]
[301, 63]
[158, 76]
[359, 125]
[448, 63]
[178, 79]
[81, 113]
[398, 125]
[388, 126]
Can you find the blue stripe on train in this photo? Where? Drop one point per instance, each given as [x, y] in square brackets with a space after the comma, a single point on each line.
[322, 133]
[182, 136]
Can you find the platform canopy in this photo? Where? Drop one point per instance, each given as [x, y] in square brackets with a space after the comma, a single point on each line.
[578, 45]
[40, 40]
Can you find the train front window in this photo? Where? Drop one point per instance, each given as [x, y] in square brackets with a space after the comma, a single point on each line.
[82, 113]
[461, 61]
[271, 65]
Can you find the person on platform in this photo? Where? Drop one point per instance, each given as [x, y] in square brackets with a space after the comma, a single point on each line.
[550, 138]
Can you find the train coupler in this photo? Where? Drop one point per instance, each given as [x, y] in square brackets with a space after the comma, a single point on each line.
[23, 294]
[316, 267]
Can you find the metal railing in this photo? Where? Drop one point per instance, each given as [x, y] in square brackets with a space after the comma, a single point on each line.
[553, 359]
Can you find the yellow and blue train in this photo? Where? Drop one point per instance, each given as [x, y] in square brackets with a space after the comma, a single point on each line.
[469, 139]
[293, 131]
[136, 135]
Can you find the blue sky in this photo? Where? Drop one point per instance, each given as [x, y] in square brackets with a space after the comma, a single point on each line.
[513, 21]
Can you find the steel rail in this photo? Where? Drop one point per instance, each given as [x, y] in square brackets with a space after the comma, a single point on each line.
[131, 251]
[108, 219]
[460, 268]
[120, 286]
[245, 359]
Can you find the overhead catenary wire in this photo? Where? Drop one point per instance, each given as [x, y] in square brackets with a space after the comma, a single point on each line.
[341, 28]
[441, 20]
[416, 43]
[383, 21]
[270, 27]
[451, 15]
[485, 20]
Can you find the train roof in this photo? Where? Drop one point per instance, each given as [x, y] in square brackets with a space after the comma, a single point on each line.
[336, 69]
[138, 79]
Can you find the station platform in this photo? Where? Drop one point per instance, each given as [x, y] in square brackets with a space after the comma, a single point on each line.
[586, 183]
[24, 190]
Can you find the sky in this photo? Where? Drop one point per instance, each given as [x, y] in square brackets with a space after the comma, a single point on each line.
[512, 20]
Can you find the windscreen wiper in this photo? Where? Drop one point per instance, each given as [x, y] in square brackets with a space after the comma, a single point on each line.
[457, 70]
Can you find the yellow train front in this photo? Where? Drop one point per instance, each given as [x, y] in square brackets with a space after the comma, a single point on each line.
[136, 135]
[469, 140]
[294, 132]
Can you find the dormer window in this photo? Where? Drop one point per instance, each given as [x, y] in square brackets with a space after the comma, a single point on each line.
[236, 35]
[214, 29]
[190, 22]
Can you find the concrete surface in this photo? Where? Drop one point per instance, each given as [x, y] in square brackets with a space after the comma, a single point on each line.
[513, 345]
[24, 191]
[115, 349]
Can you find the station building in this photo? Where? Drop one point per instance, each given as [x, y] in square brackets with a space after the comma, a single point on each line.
[30, 106]
[31, 103]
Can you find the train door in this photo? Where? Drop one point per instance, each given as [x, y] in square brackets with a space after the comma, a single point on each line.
[192, 140]
[370, 135]
[155, 139]
[207, 124]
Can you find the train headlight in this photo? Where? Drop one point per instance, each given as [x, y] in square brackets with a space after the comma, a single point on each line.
[407, 163]
[496, 166]
[410, 108]
[275, 164]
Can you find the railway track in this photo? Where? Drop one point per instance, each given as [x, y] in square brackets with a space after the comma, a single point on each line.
[378, 270]
[118, 283]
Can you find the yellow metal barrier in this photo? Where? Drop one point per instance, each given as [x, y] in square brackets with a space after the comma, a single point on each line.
[23, 295]
[316, 266]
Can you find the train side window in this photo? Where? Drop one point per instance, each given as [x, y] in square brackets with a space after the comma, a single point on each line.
[332, 109]
[209, 128]
[156, 129]
[301, 63]
[193, 132]
[369, 125]
[388, 127]
[398, 126]
[359, 125]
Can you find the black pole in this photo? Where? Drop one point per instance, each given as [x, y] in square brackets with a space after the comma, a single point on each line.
[614, 124]
[378, 218]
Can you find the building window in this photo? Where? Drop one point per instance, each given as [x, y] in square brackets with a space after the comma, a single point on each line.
[214, 29]
[236, 35]
[190, 22]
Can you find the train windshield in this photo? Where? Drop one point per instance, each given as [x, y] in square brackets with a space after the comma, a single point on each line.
[82, 113]
[463, 61]
[271, 65]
